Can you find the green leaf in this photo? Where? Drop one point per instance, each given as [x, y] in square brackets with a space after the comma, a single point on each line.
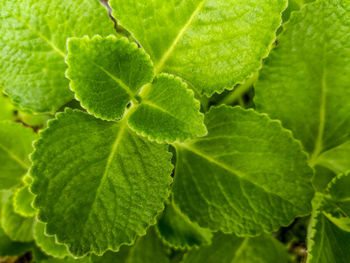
[307, 76]
[211, 44]
[327, 242]
[6, 109]
[16, 227]
[33, 47]
[248, 176]
[15, 146]
[168, 112]
[336, 159]
[329, 232]
[98, 184]
[232, 249]
[147, 249]
[107, 73]
[47, 243]
[23, 200]
[322, 178]
[179, 232]
[11, 248]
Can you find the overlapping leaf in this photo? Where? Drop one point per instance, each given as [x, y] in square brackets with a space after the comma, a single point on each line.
[329, 235]
[232, 249]
[247, 176]
[211, 44]
[308, 75]
[23, 200]
[15, 147]
[178, 231]
[32, 47]
[98, 184]
[12, 248]
[107, 74]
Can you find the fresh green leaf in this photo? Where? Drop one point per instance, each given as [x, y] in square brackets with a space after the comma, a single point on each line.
[248, 176]
[23, 200]
[107, 73]
[336, 159]
[15, 146]
[322, 178]
[32, 47]
[98, 184]
[16, 227]
[304, 82]
[327, 243]
[147, 249]
[47, 243]
[178, 231]
[211, 44]
[168, 112]
[232, 249]
[11, 248]
[6, 109]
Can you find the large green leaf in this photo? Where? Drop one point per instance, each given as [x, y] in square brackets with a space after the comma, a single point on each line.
[147, 249]
[107, 73]
[16, 227]
[178, 231]
[248, 176]
[232, 249]
[98, 184]
[211, 44]
[305, 81]
[32, 47]
[12, 248]
[168, 111]
[15, 146]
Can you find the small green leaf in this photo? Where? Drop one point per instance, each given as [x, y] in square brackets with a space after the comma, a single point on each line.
[168, 112]
[18, 228]
[98, 184]
[23, 202]
[248, 176]
[232, 249]
[15, 147]
[327, 242]
[147, 249]
[322, 178]
[12, 248]
[47, 243]
[179, 232]
[305, 81]
[33, 47]
[211, 44]
[107, 73]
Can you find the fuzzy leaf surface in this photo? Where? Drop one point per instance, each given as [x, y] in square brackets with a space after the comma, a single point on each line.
[168, 111]
[219, 186]
[306, 73]
[15, 147]
[126, 182]
[232, 249]
[107, 73]
[33, 47]
[211, 44]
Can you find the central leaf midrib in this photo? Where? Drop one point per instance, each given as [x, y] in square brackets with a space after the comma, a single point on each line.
[171, 48]
[229, 169]
[118, 81]
[119, 136]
